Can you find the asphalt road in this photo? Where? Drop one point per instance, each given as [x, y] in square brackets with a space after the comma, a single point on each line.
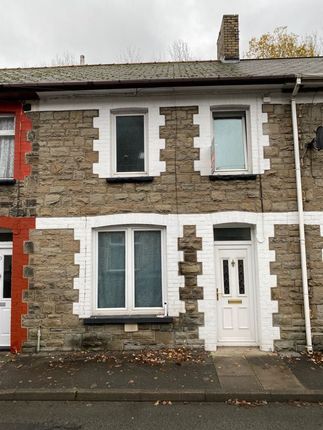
[144, 416]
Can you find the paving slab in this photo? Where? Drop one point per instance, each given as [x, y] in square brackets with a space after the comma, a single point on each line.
[232, 366]
[306, 371]
[240, 384]
[273, 374]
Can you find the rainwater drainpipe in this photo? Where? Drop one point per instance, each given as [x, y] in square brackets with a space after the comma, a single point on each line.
[308, 329]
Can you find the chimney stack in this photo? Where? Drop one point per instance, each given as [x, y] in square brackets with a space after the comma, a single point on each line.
[228, 39]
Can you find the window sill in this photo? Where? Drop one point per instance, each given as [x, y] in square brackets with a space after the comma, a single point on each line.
[130, 179]
[7, 181]
[126, 319]
[240, 177]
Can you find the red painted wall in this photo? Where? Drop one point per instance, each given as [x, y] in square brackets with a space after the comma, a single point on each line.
[22, 146]
[20, 228]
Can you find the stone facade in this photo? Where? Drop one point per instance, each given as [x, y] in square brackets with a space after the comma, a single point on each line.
[62, 185]
[50, 299]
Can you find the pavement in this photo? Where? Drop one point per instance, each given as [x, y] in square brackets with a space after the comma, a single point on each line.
[234, 374]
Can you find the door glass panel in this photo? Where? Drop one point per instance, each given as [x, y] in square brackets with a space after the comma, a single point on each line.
[226, 280]
[238, 233]
[148, 279]
[130, 143]
[111, 270]
[7, 276]
[241, 277]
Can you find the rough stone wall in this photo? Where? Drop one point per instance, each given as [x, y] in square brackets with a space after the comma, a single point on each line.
[190, 293]
[314, 243]
[50, 298]
[289, 293]
[309, 118]
[63, 158]
[63, 184]
[50, 295]
[66, 185]
[278, 183]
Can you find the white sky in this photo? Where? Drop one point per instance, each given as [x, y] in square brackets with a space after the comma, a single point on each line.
[34, 32]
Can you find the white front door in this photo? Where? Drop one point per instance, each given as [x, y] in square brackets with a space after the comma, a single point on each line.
[235, 295]
[5, 296]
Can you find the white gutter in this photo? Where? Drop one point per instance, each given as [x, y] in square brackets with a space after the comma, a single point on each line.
[308, 329]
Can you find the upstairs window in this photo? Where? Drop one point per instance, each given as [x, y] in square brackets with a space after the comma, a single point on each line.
[130, 144]
[7, 138]
[229, 148]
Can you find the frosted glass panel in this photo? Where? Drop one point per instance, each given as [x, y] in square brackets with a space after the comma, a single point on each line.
[229, 141]
[111, 270]
[130, 143]
[148, 280]
[6, 156]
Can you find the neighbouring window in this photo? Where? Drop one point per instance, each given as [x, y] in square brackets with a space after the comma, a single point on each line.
[129, 270]
[7, 137]
[129, 141]
[229, 149]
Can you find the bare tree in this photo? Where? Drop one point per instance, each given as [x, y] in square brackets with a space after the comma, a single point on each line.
[65, 59]
[180, 51]
[130, 55]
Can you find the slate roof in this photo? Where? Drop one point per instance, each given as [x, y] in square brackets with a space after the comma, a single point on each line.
[164, 71]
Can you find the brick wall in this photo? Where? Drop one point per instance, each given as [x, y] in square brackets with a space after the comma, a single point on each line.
[228, 40]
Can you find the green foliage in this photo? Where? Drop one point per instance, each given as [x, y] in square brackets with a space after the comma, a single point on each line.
[281, 44]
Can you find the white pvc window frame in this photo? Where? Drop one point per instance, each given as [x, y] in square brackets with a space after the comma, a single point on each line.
[236, 111]
[129, 308]
[114, 113]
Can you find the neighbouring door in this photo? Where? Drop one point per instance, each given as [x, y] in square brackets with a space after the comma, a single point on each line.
[5, 296]
[235, 295]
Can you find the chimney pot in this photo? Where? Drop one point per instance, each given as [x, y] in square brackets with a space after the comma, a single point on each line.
[82, 60]
[228, 39]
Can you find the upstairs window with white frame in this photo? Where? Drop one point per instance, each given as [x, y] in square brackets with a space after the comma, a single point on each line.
[129, 141]
[229, 146]
[129, 271]
[7, 145]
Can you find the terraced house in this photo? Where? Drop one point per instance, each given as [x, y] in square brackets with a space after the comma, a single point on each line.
[162, 204]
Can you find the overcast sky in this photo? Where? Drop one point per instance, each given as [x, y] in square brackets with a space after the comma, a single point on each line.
[34, 32]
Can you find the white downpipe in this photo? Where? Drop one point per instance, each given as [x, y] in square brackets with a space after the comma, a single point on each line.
[38, 339]
[308, 329]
